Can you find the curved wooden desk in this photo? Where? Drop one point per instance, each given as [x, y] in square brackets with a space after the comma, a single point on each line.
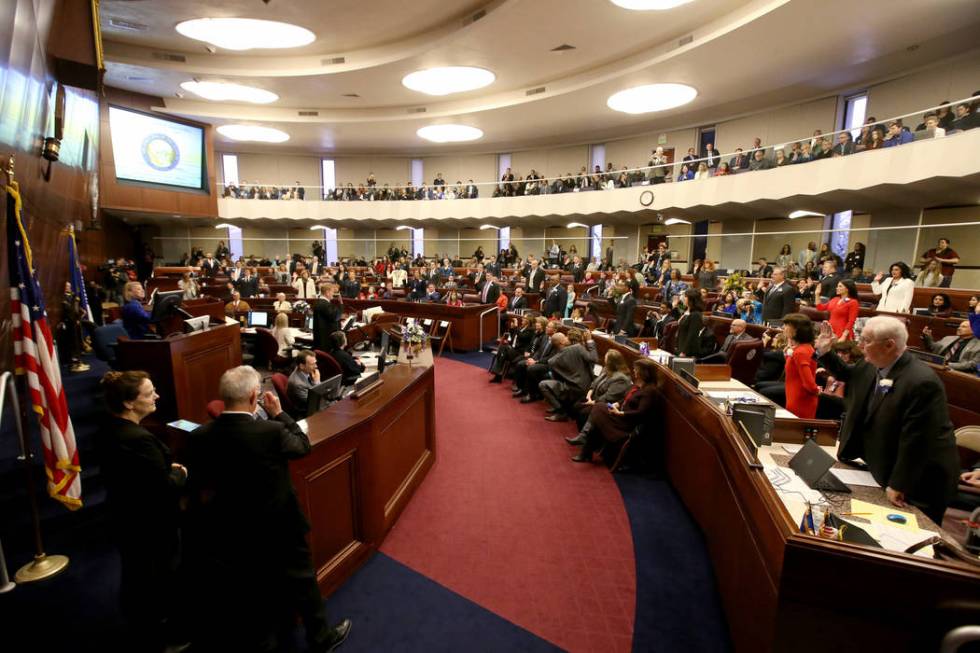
[465, 319]
[783, 590]
[369, 455]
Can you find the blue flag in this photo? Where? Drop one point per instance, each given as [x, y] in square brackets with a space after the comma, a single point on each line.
[75, 274]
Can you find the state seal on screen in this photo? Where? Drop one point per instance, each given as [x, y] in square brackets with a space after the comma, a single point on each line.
[160, 152]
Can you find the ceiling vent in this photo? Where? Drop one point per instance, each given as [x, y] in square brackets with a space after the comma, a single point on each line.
[416, 110]
[564, 47]
[308, 113]
[333, 61]
[475, 17]
[168, 56]
[535, 91]
[351, 95]
[129, 26]
[684, 41]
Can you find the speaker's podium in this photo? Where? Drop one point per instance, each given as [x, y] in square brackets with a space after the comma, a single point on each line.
[185, 368]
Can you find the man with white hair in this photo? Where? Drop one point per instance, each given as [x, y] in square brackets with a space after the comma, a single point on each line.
[737, 333]
[896, 419]
[243, 514]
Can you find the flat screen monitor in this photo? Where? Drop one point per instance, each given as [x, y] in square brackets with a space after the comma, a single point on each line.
[309, 323]
[165, 303]
[383, 352]
[677, 364]
[758, 420]
[155, 150]
[690, 378]
[197, 323]
[920, 311]
[349, 323]
[258, 319]
[320, 395]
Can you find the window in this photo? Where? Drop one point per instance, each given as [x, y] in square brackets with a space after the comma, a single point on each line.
[229, 167]
[418, 172]
[503, 162]
[595, 243]
[235, 245]
[503, 238]
[597, 155]
[330, 246]
[418, 242]
[328, 176]
[855, 108]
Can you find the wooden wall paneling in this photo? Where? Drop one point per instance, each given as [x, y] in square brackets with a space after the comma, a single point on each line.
[331, 489]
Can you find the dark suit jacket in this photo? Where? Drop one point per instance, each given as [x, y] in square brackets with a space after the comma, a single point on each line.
[242, 505]
[208, 269]
[828, 285]
[326, 320]
[350, 367]
[492, 294]
[554, 301]
[689, 334]
[906, 437]
[417, 288]
[248, 287]
[777, 301]
[535, 279]
[625, 310]
[517, 302]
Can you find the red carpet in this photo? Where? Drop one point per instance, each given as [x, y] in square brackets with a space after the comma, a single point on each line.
[508, 521]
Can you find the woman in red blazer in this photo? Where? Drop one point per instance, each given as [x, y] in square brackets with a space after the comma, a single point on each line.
[802, 391]
[843, 309]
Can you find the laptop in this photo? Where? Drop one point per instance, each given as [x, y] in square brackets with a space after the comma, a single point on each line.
[812, 464]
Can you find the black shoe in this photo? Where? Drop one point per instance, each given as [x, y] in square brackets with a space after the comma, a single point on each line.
[338, 635]
[551, 409]
[528, 399]
[582, 459]
[514, 388]
[557, 417]
[577, 440]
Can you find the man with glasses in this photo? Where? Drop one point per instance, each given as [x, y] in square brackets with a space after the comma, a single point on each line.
[896, 417]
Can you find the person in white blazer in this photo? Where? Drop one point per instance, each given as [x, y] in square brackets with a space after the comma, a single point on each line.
[305, 286]
[398, 276]
[896, 291]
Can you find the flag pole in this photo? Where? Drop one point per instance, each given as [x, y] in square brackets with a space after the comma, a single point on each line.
[43, 566]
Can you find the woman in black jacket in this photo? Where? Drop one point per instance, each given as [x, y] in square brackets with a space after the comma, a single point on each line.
[689, 326]
[143, 487]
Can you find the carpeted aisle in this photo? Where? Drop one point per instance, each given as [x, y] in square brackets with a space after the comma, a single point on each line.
[508, 521]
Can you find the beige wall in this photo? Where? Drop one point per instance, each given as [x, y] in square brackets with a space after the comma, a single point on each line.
[552, 162]
[478, 167]
[964, 240]
[277, 170]
[770, 246]
[470, 239]
[777, 126]
[635, 152]
[568, 237]
[920, 90]
[387, 170]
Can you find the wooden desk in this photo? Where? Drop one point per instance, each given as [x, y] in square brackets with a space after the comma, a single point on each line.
[369, 456]
[465, 319]
[782, 590]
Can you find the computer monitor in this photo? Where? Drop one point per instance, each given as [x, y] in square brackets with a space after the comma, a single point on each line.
[383, 352]
[758, 419]
[920, 311]
[165, 303]
[349, 323]
[677, 364]
[258, 319]
[690, 378]
[309, 323]
[775, 324]
[320, 395]
[196, 323]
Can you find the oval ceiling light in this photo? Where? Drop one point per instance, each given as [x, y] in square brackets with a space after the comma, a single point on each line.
[449, 133]
[651, 97]
[449, 79]
[647, 5]
[253, 133]
[226, 92]
[246, 33]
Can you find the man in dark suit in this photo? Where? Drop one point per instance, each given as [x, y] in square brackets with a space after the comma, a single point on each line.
[690, 157]
[577, 269]
[625, 309]
[778, 298]
[326, 317]
[829, 280]
[539, 353]
[554, 301]
[248, 284]
[417, 286]
[209, 266]
[518, 301]
[763, 270]
[479, 277]
[350, 367]
[736, 334]
[243, 514]
[490, 291]
[896, 417]
[492, 266]
[608, 259]
[535, 277]
[711, 156]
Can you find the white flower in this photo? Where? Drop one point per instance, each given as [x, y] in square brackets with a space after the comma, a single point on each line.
[885, 385]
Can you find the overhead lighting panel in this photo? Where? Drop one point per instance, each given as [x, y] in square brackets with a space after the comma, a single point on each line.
[246, 33]
[227, 92]
[449, 133]
[448, 79]
[648, 5]
[651, 97]
[256, 133]
[801, 214]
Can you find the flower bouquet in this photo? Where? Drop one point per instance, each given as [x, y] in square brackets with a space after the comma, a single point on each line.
[414, 347]
[734, 283]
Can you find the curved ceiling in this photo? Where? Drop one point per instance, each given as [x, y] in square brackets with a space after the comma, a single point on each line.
[343, 92]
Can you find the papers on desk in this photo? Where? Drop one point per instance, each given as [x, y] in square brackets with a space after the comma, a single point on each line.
[891, 535]
[791, 449]
[597, 369]
[879, 514]
[855, 477]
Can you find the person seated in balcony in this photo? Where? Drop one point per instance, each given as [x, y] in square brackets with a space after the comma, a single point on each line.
[423, 192]
[762, 269]
[845, 144]
[738, 162]
[823, 149]
[897, 134]
[703, 171]
[685, 174]
[804, 154]
[781, 158]
[966, 117]
[658, 165]
[760, 161]
[723, 169]
[875, 141]
[929, 128]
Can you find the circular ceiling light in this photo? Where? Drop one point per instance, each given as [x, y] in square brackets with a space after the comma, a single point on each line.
[652, 97]
[253, 133]
[246, 33]
[226, 92]
[449, 79]
[449, 133]
[647, 5]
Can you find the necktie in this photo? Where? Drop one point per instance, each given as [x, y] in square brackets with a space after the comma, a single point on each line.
[953, 351]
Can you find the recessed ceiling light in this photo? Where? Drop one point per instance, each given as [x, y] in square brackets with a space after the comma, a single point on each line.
[673, 221]
[651, 97]
[450, 79]
[802, 214]
[647, 5]
[224, 92]
[449, 133]
[246, 33]
[253, 133]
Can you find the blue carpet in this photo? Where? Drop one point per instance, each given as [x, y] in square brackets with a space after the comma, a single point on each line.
[477, 358]
[396, 609]
[677, 604]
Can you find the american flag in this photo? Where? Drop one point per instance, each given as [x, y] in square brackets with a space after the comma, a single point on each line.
[36, 357]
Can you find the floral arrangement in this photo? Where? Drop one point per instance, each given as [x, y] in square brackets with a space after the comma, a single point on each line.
[414, 335]
[734, 283]
[301, 306]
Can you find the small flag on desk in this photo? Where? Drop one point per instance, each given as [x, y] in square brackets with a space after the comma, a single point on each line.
[75, 274]
[36, 357]
[806, 523]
